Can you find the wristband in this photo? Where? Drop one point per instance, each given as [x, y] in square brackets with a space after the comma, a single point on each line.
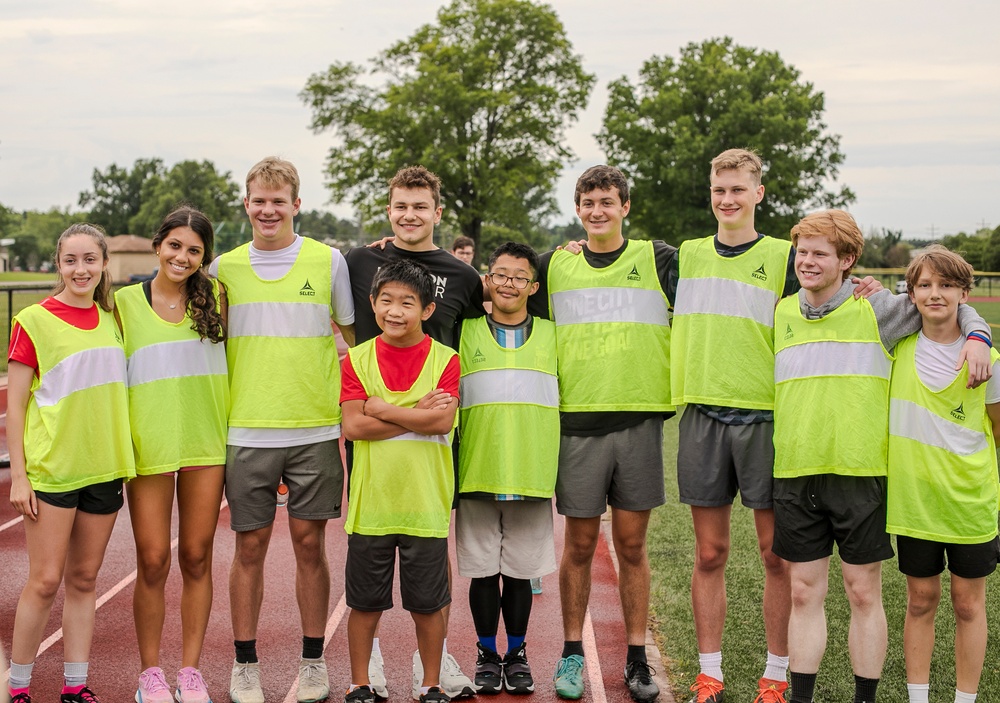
[981, 337]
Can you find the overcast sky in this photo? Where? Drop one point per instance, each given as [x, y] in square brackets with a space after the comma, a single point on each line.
[913, 88]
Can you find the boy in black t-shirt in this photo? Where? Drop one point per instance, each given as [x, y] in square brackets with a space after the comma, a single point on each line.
[414, 209]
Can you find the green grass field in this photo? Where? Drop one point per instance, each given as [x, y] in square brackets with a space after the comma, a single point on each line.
[990, 312]
[671, 554]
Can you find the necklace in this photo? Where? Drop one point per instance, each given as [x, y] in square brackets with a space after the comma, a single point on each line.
[172, 306]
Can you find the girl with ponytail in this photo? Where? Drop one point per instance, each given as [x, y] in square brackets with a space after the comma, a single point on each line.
[174, 328]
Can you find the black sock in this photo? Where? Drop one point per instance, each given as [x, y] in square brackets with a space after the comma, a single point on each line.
[636, 653]
[864, 689]
[246, 651]
[572, 647]
[802, 688]
[312, 647]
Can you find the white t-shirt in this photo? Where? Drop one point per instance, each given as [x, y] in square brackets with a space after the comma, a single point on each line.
[936, 366]
[270, 266]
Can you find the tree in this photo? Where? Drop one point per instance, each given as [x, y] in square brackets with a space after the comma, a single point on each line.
[482, 98]
[35, 238]
[194, 183]
[117, 194]
[135, 202]
[325, 225]
[885, 248]
[717, 95]
[974, 249]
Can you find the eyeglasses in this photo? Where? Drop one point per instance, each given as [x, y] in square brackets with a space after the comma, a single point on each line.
[500, 279]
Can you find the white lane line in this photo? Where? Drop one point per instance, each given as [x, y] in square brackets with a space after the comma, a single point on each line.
[331, 626]
[597, 694]
[11, 523]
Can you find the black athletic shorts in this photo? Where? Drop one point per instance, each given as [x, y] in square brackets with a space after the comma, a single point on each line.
[922, 558]
[423, 572]
[97, 499]
[813, 512]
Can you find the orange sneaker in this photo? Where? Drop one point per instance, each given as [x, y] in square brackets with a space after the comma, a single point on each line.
[708, 690]
[770, 691]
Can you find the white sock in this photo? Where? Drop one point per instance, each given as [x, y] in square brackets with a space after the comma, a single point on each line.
[711, 664]
[918, 692]
[961, 697]
[777, 667]
[20, 675]
[75, 673]
[375, 647]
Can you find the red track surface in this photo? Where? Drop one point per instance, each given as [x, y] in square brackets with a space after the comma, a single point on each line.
[115, 663]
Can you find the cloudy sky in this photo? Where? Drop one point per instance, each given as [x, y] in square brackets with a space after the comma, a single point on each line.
[913, 88]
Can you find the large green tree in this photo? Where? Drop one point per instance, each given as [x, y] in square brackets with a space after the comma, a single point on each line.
[482, 97]
[194, 183]
[664, 131]
[125, 201]
[117, 194]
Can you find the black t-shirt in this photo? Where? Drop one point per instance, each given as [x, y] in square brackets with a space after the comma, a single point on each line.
[595, 424]
[458, 290]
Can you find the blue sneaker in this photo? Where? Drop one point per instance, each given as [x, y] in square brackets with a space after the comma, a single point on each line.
[569, 677]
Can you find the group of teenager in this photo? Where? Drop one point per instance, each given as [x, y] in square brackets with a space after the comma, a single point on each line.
[839, 412]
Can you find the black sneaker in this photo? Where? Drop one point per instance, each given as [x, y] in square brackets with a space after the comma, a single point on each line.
[84, 696]
[639, 679]
[489, 671]
[362, 694]
[21, 698]
[516, 672]
[434, 695]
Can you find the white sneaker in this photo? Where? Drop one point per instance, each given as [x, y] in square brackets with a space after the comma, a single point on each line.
[314, 681]
[418, 676]
[376, 676]
[244, 683]
[453, 682]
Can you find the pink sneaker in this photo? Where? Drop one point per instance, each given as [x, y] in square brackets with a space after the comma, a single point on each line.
[191, 686]
[153, 687]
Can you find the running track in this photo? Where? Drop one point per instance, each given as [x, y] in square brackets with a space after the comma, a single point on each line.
[115, 663]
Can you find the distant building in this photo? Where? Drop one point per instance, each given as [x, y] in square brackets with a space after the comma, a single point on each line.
[5, 254]
[130, 255]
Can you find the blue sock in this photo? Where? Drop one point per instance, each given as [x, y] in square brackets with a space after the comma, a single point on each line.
[513, 642]
[489, 643]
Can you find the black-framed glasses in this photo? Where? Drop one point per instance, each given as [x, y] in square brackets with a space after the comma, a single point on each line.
[519, 282]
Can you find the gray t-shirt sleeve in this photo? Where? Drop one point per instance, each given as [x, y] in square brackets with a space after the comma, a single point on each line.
[213, 268]
[898, 317]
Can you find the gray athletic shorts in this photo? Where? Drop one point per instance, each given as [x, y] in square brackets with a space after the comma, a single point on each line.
[509, 537]
[623, 469]
[313, 473]
[423, 572]
[715, 460]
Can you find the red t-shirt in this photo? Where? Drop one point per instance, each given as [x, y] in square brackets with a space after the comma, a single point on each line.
[22, 349]
[400, 367]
